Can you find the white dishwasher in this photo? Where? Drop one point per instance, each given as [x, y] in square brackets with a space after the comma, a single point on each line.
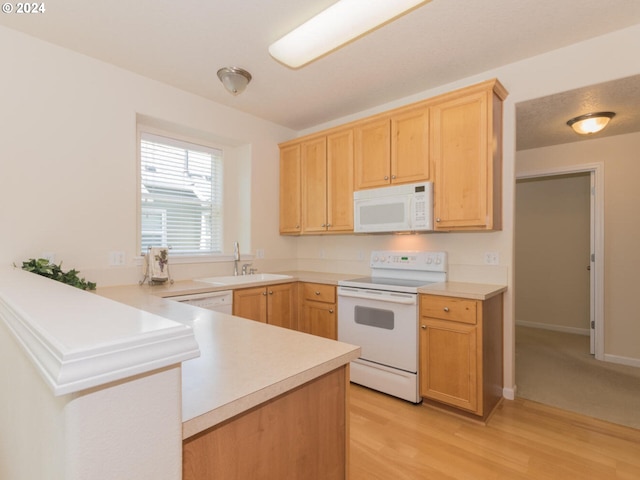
[218, 301]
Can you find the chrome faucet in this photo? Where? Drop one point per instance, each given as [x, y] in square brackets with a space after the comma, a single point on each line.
[244, 269]
[236, 257]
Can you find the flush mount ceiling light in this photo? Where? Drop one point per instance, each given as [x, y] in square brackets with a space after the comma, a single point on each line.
[234, 79]
[590, 122]
[340, 23]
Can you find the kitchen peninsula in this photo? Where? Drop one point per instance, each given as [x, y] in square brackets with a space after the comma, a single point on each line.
[124, 386]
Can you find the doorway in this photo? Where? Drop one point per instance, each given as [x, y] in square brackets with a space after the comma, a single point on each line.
[592, 266]
[552, 252]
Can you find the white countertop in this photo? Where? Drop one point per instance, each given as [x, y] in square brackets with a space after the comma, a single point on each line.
[474, 291]
[243, 363]
[79, 340]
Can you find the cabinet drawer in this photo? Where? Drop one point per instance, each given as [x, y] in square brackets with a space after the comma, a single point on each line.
[319, 292]
[448, 308]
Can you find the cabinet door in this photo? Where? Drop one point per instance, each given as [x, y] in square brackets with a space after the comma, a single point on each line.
[340, 182]
[372, 154]
[410, 147]
[281, 305]
[290, 195]
[319, 319]
[460, 154]
[449, 353]
[251, 303]
[314, 185]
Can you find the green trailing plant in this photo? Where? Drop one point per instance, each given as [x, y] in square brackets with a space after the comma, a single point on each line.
[43, 267]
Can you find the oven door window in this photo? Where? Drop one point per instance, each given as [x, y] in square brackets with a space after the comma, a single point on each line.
[374, 317]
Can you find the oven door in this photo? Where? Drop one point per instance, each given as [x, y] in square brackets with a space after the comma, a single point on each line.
[383, 324]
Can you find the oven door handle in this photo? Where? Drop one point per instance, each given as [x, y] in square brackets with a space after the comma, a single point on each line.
[405, 300]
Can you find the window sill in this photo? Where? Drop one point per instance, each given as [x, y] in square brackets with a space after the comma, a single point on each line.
[190, 259]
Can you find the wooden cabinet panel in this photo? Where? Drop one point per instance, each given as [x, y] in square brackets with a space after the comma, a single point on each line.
[449, 308]
[272, 304]
[302, 434]
[410, 147]
[372, 155]
[319, 292]
[281, 305]
[448, 364]
[320, 319]
[314, 185]
[318, 313]
[340, 182]
[251, 303]
[290, 192]
[465, 146]
[461, 352]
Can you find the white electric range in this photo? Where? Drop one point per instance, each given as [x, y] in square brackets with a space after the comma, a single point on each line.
[380, 314]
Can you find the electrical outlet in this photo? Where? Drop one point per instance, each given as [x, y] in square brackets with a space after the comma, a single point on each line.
[260, 253]
[117, 258]
[491, 258]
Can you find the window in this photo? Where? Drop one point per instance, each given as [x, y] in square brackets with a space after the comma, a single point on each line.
[180, 196]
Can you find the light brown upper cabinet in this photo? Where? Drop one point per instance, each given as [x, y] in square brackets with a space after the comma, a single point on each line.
[340, 181]
[453, 140]
[314, 185]
[466, 151]
[393, 149]
[290, 194]
[327, 183]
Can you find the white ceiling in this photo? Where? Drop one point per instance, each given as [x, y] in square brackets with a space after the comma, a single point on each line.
[184, 43]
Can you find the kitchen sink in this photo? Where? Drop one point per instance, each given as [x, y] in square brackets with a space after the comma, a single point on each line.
[240, 279]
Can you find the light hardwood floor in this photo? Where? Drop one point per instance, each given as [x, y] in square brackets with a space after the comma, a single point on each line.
[394, 440]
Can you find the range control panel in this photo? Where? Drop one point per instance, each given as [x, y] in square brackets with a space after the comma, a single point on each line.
[429, 261]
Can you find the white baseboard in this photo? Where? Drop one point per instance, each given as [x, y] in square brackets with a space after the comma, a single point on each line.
[632, 362]
[509, 393]
[556, 328]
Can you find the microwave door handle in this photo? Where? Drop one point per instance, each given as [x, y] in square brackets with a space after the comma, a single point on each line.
[385, 298]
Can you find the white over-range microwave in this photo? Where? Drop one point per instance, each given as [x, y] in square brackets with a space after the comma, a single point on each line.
[400, 208]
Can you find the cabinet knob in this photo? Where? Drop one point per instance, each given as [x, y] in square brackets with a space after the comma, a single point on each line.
[386, 177]
[297, 226]
[264, 293]
[424, 327]
[437, 219]
[317, 293]
[393, 177]
[446, 309]
[270, 292]
[331, 310]
[324, 225]
[328, 225]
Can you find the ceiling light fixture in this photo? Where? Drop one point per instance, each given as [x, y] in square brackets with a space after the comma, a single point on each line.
[234, 79]
[340, 23]
[590, 122]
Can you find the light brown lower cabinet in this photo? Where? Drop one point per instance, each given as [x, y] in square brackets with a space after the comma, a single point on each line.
[300, 434]
[272, 304]
[461, 352]
[318, 313]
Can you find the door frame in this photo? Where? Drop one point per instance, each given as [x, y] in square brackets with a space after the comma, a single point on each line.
[597, 238]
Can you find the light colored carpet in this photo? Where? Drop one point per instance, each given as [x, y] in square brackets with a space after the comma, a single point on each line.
[556, 369]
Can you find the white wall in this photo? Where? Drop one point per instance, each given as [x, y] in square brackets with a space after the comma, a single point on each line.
[619, 154]
[552, 249]
[68, 153]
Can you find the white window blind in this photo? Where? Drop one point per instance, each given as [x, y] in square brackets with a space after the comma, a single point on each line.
[180, 196]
